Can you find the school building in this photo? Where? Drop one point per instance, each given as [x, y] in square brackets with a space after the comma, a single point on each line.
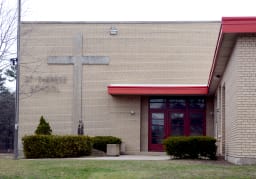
[143, 81]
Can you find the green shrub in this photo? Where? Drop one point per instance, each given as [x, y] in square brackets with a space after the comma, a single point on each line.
[191, 147]
[51, 146]
[100, 142]
[43, 128]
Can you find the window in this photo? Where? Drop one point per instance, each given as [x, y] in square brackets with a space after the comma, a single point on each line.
[157, 103]
[175, 116]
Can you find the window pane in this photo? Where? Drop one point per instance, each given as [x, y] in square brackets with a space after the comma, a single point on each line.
[177, 103]
[157, 116]
[177, 124]
[196, 130]
[158, 131]
[157, 100]
[196, 124]
[157, 122]
[178, 131]
[157, 103]
[197, 103]
[157, 134]
[157, 128]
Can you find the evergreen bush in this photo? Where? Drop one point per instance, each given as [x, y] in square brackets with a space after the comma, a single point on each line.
[191, 147]
[43, 128]
[100, 142]
[51, 146]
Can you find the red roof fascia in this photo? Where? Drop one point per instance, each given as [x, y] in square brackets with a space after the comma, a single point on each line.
[239, 28]
[238, 20]
[157, 90]
[232, 25]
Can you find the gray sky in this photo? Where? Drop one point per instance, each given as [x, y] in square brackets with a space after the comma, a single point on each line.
[135, 10]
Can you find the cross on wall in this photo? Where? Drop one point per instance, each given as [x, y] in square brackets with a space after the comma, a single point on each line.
[77, 60]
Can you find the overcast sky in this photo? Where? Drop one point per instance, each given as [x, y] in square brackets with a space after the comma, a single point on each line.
[135, 10]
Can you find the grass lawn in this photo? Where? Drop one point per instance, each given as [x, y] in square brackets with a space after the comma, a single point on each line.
[68, 168]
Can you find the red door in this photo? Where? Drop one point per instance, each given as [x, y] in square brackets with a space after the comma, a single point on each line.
[157, 130]
[164, 124]
[175, 116]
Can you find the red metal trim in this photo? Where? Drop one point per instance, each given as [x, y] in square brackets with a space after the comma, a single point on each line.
[157, 90]
[238, 20]
[239, 28]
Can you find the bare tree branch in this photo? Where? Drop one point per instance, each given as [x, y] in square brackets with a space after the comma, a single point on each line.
[8, 27]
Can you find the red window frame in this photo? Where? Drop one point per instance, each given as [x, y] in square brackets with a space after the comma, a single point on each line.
[167, 123]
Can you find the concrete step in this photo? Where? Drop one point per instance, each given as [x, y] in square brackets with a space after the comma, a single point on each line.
[153, 153]
[147, 153]
[6, 155]
[97, 153]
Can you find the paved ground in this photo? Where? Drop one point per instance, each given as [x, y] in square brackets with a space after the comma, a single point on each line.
[128, 157]
[155, 157]
[121, 157]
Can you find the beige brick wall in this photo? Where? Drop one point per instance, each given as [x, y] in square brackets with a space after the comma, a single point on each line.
[231, 132]
[246, 98]
[240, 101]
[150, 53]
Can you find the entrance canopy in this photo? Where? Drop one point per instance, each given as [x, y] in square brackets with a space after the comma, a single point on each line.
[155, 89]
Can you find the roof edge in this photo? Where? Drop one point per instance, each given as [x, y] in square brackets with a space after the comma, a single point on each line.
[116, 22]
[157, 90]
[157, 85]
[237, 20]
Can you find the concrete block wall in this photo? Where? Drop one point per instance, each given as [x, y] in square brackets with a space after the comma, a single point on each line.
[141, 53]
[246, 98]
[240, 102]
[231, 132]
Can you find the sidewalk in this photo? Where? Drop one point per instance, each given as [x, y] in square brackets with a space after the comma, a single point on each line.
[127, 157]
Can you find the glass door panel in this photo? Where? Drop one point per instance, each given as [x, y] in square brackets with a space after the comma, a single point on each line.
[157, 128]
[177, 123]
[196, 124]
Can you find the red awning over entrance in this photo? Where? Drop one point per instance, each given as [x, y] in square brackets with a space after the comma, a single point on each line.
[139, 89]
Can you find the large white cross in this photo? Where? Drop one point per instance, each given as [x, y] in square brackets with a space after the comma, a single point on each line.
[78, 60]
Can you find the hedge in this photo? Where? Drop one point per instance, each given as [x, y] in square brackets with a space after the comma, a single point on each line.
[191, 147]
[100, 142]
[52, 146]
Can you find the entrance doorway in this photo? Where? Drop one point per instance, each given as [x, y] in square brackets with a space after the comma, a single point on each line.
[175, 116]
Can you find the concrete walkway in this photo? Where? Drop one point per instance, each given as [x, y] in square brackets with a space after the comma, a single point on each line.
[153, 157]
[127, 157]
